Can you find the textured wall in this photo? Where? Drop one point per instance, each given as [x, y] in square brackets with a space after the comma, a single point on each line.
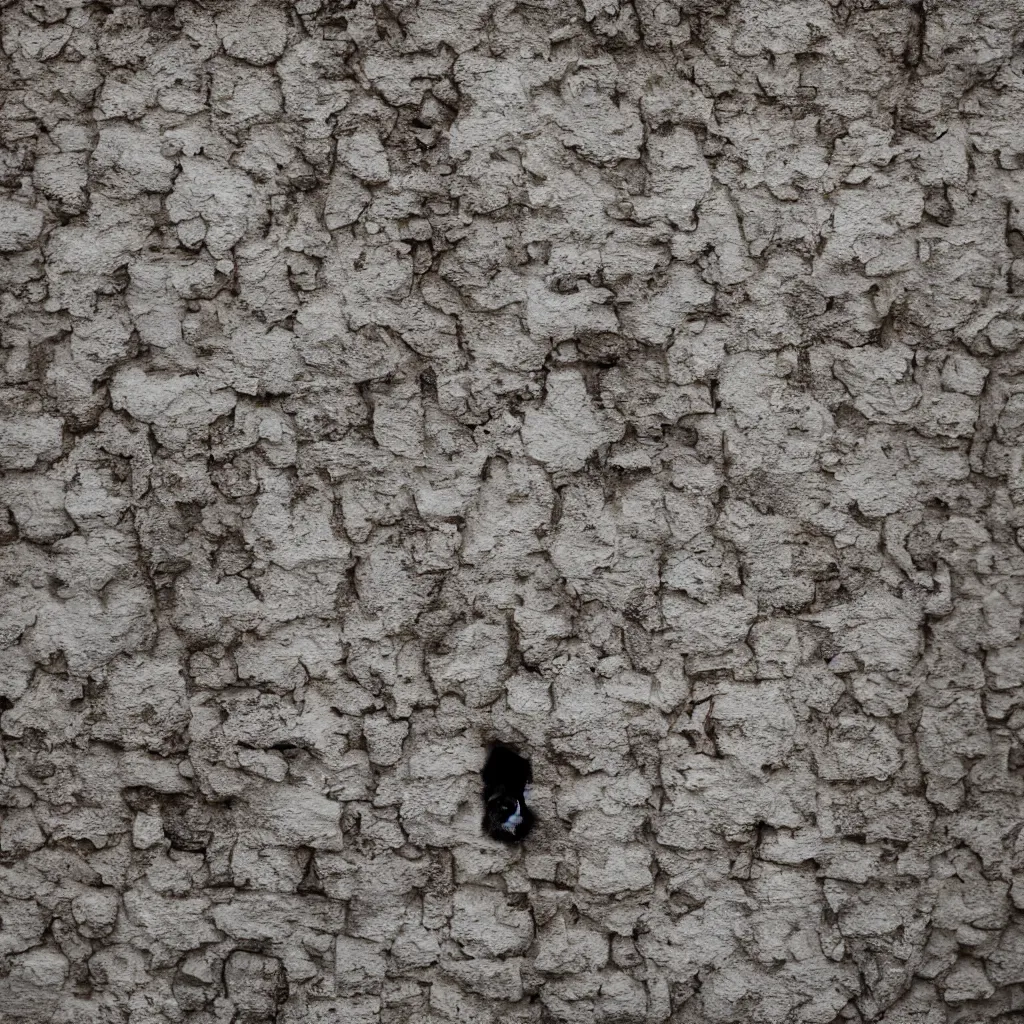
[641, 383]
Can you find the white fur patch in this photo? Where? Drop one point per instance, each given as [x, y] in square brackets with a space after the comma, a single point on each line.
[513, 821]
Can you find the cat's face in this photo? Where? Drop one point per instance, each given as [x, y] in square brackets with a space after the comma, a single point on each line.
[504, 813]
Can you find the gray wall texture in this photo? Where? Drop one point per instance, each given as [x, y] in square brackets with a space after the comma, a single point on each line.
[639, 383]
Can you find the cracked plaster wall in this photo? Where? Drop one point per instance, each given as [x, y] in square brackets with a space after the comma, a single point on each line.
[641, 383]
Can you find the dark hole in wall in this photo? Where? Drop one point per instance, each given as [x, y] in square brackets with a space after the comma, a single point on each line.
[506, 775]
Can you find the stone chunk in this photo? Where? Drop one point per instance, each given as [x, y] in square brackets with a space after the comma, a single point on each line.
[294, 815]
[485, 925]
[256, 983]
[20, 832]
[255, 33]
[967, 981]
[617, 869]
[95, 912]
[31, 990]
[365, 157]
[495, 979]
[147, 831]
[26, 440]
[567, 428]
[384, 738]
[359, 965]
[710, 628]
[20, 226]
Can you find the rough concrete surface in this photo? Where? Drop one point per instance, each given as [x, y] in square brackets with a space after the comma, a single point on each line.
[637, 383]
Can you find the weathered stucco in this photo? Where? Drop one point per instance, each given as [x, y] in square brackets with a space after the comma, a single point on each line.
[639, 383]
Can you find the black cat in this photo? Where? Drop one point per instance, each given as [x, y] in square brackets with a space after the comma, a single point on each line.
[506, 776]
